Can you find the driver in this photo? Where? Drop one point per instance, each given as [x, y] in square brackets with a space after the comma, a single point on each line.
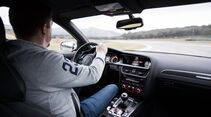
[48, 75]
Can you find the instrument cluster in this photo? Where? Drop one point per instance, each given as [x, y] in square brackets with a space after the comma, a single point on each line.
[112, 59]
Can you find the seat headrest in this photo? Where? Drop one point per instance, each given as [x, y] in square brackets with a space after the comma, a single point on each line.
[2, 31]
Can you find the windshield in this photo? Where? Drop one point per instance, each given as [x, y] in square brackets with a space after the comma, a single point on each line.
[181, 29]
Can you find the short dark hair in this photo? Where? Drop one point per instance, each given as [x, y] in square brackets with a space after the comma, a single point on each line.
[27, 18]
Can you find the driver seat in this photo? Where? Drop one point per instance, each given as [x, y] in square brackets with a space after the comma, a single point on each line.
[12, 88]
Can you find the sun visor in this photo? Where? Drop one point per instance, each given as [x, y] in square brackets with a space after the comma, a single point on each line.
[112, 9]
[109, 7]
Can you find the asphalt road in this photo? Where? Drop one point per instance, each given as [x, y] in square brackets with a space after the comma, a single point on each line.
[175, 47]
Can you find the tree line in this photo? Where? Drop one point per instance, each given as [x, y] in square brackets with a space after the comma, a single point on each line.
[191, 31]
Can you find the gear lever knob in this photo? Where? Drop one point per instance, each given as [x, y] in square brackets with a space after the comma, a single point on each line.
[124, 96]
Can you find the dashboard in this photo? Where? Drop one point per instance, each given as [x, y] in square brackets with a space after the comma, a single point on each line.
[138, 70]
[172, 80]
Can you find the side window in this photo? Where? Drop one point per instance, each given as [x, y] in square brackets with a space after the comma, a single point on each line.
[61, 40]
[5, 17]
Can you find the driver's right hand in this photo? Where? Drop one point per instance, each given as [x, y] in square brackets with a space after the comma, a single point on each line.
[101, 48]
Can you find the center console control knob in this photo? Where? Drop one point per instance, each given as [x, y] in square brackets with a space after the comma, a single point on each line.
[124, 86]
[138, 90]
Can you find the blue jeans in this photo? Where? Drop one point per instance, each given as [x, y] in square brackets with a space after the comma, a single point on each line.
[95, 105]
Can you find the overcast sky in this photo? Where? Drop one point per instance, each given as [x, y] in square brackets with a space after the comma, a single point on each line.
[169, 17]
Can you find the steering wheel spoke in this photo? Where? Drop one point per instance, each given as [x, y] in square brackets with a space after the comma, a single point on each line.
[83, 56]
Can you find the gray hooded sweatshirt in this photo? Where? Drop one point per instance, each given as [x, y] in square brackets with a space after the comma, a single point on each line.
[50, 77]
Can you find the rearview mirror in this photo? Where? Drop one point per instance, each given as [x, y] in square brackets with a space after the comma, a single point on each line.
[68, 46]
[129, 24]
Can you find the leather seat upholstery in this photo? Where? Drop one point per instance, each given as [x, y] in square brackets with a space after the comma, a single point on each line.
[12, 87]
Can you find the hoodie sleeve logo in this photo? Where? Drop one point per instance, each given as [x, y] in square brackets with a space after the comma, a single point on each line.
[72, 68]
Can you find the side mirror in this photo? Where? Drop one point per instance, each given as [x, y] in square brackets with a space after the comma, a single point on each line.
[130, 24]
[68, 46]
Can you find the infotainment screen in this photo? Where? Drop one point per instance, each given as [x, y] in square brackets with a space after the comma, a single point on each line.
[137, 62]
[134, 60]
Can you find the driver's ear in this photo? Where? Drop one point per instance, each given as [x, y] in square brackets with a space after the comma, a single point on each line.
[44, 29]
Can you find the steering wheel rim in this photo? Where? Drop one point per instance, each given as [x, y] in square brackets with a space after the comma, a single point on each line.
[76, 56]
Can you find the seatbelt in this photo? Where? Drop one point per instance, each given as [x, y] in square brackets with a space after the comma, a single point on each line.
[75, 105]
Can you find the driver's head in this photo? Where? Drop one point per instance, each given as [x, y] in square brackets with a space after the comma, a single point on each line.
[31, 21]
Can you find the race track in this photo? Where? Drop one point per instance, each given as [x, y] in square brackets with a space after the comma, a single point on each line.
[174, 47]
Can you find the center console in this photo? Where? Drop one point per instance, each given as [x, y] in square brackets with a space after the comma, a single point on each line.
[133, 72]
[133, 75]
[132, 80]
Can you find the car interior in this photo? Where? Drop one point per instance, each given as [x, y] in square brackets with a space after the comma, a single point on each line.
[151, 84]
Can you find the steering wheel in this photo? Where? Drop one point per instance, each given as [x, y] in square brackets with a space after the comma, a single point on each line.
[84, 56]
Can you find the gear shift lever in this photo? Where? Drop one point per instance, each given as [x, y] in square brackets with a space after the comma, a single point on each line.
[124, 97]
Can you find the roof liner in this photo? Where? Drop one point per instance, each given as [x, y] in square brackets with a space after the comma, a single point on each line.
[72, 9]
